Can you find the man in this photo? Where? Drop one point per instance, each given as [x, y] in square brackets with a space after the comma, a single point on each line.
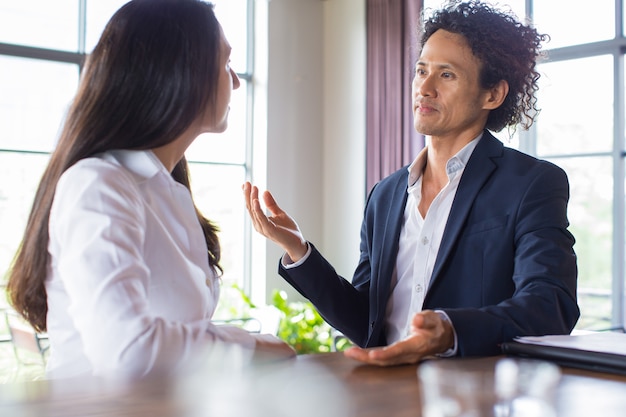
[468, 247]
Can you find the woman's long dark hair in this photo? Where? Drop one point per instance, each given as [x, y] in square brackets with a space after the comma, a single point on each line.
[151, 75]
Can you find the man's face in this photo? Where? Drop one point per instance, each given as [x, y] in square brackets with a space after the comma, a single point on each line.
[448, 101]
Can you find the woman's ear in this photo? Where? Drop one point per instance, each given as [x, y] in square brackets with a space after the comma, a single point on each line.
[496, 95]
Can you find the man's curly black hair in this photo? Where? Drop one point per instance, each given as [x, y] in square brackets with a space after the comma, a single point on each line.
[507, 49]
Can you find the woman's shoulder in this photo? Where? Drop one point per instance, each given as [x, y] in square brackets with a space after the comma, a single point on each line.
[91, 171]
[96, 178]
[115, 166]
[95, 190]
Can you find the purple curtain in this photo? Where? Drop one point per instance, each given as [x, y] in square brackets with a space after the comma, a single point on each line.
[391, 54]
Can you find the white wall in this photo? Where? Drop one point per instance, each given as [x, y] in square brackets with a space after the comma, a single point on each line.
[344, 189]
[315, 125]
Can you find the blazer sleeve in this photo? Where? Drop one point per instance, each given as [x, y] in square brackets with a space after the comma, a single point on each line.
[357, 308]
[342, 305]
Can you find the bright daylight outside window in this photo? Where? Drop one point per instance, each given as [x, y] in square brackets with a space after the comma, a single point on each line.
[41, 45]
[584, 135]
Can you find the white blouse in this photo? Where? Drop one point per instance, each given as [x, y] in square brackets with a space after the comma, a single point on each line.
[129, 286]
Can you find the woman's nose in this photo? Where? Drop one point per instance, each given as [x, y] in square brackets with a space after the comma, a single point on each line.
[236, 81]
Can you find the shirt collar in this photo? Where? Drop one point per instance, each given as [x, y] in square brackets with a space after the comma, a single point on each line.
[142, 163]
[454, 164]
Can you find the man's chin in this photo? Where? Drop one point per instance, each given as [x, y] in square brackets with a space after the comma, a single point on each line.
[422, 130]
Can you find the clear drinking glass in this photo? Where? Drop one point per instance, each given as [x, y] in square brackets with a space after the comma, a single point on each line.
[512, 388]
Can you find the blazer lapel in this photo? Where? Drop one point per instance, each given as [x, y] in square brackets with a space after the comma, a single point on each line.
[478, 169]
[389, 247]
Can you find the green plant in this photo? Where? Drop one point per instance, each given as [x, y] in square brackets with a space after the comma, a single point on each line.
[301, 326]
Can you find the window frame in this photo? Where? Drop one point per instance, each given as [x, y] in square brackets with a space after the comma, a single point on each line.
[78, 58]
[616, 48]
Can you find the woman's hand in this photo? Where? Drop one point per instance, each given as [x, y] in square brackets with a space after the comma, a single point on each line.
[270, 348]
[279, 227]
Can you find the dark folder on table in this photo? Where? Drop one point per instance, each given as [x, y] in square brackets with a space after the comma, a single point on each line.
[595, 351]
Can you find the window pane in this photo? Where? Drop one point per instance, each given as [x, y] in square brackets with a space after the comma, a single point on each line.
[34, 97]
[98, 14]
[570, 22]
[217, 193]
[568, 123]
[16, 198]
[230, 146]
[590, 213]
[232, 15]
[40, 23]
[516, 6]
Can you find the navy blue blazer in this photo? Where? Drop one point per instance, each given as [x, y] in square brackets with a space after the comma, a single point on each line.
[505, 268]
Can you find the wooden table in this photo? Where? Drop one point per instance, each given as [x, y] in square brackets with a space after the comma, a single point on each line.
[327, 385]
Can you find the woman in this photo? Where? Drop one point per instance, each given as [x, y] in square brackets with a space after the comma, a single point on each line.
[117, 264]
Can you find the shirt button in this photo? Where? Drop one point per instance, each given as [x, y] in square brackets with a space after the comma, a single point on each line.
[424, 240]
[418, 288]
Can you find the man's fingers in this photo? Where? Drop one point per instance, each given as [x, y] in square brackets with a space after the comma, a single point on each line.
[261, 221]
[425, 320]
[368, 356]
[253, 205]
[398, 353]
[356, 353]
[250, 193]
[440, 332]
[271, 203]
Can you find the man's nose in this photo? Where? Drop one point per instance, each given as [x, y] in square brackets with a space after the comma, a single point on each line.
[424, 86]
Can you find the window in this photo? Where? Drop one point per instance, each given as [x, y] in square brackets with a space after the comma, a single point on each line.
[220, 163]
[581, 129]
[42, 47]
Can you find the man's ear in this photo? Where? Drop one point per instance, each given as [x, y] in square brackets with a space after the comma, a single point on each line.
[496, 95]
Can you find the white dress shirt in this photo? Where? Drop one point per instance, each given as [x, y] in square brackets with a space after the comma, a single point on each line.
[420, 238]
[129, 286]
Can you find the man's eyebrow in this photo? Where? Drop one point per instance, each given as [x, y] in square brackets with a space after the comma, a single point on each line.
[438, 66]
